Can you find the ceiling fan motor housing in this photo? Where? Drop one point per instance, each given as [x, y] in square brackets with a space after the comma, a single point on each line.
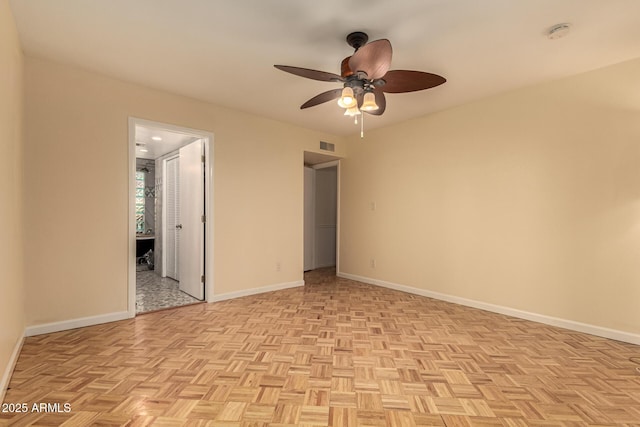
[357, 39]
[360, 84]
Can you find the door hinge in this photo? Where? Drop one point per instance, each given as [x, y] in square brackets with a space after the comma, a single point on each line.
[202, 278]
[204, 218]
[203, 158]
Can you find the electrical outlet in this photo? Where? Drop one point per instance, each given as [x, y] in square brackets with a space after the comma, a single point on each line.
[373, 263]
[278, 266]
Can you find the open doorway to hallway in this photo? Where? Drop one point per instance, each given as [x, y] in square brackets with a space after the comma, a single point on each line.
[321, 207]
[170, 204]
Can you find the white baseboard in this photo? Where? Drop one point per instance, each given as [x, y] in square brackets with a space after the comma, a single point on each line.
[6, 376]
[255, 291]
[64, 325]
[540, 318]
[113, 317]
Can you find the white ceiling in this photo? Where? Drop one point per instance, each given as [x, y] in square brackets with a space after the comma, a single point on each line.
[223, 51]
[166, 141]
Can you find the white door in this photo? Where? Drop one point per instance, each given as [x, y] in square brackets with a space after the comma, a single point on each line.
[172, 221]
[191, 241]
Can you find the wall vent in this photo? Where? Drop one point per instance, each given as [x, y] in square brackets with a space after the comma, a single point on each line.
[327, 146]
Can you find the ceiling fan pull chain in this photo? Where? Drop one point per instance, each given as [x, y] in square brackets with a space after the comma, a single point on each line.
[362, 127]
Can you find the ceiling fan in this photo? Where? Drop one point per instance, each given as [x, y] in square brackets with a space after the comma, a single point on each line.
[366, 78]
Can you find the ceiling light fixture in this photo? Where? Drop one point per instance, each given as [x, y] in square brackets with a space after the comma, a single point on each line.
[366, 78]
[369, 103]
[156, 138]
[347, 100]
[352, 111]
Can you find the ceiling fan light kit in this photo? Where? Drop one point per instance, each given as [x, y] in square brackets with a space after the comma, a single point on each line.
[353, 111]
[369, 102]
[347, 99]
[365, 78]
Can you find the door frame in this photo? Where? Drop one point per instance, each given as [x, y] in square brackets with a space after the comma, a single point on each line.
[328, 164]
[208, 139]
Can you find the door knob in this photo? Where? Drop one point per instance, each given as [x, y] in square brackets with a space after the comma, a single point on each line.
[179, 226]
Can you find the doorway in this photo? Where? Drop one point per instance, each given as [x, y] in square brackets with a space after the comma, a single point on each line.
[321, 212]
[170, 210]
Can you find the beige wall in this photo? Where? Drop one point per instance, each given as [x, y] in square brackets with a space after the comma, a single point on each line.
[76, 238]
[11, 279]
[528, 200]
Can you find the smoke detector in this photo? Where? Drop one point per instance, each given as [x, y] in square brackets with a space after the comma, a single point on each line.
[558, 31]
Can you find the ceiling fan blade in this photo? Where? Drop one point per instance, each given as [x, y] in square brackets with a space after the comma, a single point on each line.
[323, 97]
[399, 81]
[373, 58]
[323, 76]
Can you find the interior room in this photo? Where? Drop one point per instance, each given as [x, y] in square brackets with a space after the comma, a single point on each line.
[405, 213]
[160, 191]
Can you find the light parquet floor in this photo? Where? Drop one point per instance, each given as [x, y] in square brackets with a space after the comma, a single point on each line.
[332, 353]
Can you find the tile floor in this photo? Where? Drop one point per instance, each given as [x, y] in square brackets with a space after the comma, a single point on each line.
[157, 293]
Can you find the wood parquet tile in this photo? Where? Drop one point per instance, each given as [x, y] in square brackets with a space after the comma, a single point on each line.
[332, 353]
